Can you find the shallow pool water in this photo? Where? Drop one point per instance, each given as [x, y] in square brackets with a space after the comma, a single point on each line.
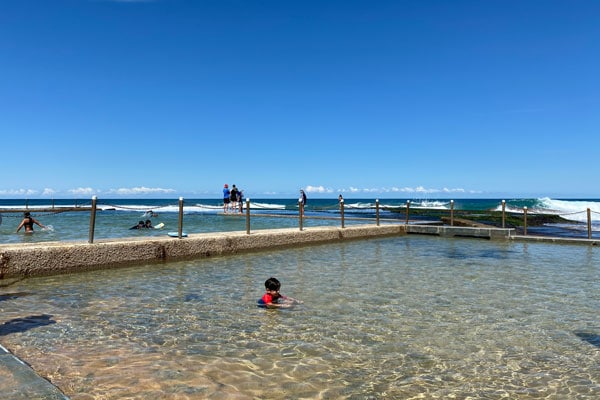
[75, 226]
[397, 318]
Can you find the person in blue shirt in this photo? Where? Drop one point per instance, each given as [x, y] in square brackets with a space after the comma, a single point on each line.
[226, 195]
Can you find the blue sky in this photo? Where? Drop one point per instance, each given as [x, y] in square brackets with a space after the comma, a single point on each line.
[400, 99]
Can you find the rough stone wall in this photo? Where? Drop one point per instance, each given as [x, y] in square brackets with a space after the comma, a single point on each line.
[57, 257]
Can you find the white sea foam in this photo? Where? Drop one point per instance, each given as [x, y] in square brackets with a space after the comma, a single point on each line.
[360, 205]
[267, 206]
[430, 204]
[573, 210]
[194, 208]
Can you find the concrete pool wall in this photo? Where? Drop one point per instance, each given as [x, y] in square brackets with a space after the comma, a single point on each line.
[47, 258]
[32, 259]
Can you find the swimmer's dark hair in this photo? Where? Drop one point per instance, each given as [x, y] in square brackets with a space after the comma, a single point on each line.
[27, 214]
[272, 284]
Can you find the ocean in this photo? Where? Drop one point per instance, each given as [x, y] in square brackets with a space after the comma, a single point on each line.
[115, 216]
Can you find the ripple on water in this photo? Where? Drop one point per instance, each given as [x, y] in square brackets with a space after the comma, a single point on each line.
[387, 318]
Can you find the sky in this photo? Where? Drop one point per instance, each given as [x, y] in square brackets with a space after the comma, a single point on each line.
[372, 99]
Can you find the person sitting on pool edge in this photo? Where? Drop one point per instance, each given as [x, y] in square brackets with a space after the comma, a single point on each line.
[273, 299]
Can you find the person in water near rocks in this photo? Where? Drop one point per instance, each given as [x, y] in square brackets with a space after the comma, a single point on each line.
[140, 225]
[28, 222]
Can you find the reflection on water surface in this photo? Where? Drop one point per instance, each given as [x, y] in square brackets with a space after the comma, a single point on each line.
[407, 317]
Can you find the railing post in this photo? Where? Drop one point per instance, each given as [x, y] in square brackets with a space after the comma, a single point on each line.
[589, 220]
[407, 210]
[300, 214]
[503, 214]
[180, 231]
[92, 220]
[342, 211]
[247, 216]
[451, 212]
[377, 211]
[525, 220]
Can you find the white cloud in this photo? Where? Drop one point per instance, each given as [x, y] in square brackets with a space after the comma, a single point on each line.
[139, 190]
[18, 192]
[317, 189]
[420, 190]
[456, 190]
[82, 191]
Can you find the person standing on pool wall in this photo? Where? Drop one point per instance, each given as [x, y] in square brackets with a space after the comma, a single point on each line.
[302, 202]
[241, 200]
[233, 198]
[273, 299]
[28, 222]
[226, 194]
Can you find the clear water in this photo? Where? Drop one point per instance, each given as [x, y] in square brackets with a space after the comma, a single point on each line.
[115, 216]
[396, 318]
[75, 226]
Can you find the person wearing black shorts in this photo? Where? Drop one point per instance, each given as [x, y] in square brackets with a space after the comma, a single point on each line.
[233, 197]
[226, 194]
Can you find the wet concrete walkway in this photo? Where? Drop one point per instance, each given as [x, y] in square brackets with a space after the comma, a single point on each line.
[18, 381]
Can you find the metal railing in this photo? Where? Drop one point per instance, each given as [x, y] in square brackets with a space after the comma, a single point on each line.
[342, 208]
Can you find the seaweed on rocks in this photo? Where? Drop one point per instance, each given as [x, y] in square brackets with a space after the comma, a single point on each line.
[487, 217]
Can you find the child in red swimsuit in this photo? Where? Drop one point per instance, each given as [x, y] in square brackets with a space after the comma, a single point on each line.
[273, 299]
